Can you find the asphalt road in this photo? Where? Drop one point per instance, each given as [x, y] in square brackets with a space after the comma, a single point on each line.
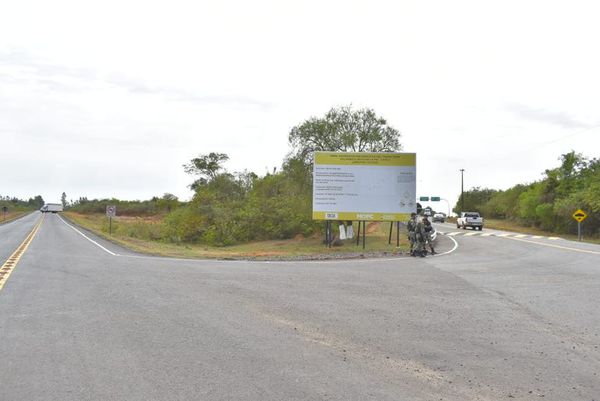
[501, 317]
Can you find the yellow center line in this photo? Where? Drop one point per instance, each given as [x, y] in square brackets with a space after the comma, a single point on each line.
[555, 246]
[7, 268]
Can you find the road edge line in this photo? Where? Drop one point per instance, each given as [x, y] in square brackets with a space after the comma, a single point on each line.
[88, 238]
[451, 250]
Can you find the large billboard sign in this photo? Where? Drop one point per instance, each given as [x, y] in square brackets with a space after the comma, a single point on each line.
[364, 186]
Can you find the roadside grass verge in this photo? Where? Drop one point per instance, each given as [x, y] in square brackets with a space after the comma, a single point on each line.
[143, 234]
[11, 216]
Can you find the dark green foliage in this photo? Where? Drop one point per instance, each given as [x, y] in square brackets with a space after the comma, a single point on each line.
[205, 166]
[15, 204]
[343, 130]
[475, 199]
[236, 208]
[150, 207]
[549, 203]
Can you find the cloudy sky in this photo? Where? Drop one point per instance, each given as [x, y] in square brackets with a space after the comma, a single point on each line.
[110, 98]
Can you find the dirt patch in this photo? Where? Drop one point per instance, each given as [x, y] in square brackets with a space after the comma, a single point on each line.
[145, 219]
[373, 227]
[263, 254]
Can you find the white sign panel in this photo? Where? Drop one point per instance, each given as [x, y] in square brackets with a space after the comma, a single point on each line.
[111, 211]
[364, 186]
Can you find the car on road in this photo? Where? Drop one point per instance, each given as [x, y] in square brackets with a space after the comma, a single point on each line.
[470, 219]
[439, 218]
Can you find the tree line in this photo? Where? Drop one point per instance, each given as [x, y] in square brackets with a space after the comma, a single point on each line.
[16, 204]
[548, 203]
[235, 207]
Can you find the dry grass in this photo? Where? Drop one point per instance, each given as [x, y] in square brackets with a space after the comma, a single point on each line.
[10, 216]
[312, 247]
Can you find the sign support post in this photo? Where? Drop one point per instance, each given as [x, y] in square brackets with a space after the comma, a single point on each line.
[397, 233]
[111, 211]
[364, 233]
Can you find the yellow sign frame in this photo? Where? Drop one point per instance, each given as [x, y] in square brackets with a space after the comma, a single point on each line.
[580, 215]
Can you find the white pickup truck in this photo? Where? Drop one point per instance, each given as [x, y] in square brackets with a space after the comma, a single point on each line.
[470, 219]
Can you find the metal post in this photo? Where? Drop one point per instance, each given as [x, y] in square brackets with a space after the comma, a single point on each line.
[579, 230]
[462, 191]
[397, 234]
[390, 236]
[364, 232]
[358, 234]
[448, 206]
[110, 226]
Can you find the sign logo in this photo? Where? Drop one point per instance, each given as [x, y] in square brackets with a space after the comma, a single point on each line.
[580, 215]
[111, 211]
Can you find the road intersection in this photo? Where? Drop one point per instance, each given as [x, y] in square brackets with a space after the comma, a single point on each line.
[500, 317]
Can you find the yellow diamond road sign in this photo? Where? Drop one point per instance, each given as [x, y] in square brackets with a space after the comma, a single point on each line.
[579, 215]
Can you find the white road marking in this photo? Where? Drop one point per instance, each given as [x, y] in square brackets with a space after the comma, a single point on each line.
[537, 237]
[521, 236]
[453, 234]
[470, 234]
[88, 238]
[487, 234]
[451, 250]
[503, 235]
[555, 246]
[553, 238]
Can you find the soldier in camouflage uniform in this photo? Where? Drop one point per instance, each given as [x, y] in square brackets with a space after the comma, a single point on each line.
[411, 226]
[420, 239]
[428, 230]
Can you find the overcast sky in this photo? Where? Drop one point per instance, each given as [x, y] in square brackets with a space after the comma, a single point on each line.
[110, 98]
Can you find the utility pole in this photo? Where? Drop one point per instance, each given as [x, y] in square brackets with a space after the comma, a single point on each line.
[462, 190]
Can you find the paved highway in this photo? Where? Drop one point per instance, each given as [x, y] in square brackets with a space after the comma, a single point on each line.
[501, 317]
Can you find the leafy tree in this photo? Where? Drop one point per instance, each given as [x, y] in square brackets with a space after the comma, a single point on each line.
[63, 200]
[39, 201]
[206, 166]
[475, 200]
[168, 202]
[343, 129]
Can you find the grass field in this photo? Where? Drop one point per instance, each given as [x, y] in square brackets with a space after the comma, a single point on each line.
[137, 233]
